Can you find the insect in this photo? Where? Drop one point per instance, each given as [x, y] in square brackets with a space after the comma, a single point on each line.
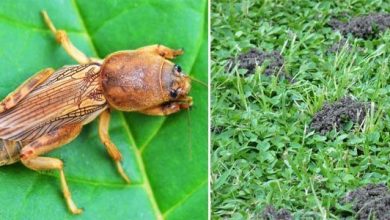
[49, 109]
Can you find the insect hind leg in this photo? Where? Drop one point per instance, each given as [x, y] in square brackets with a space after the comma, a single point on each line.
[29, 156]
[48, 163]
[63, 39]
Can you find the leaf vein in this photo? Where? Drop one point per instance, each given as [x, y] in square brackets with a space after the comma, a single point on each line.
[81, 18]
[28, 192]
[185, 198]
[141, 166]
[147, 142]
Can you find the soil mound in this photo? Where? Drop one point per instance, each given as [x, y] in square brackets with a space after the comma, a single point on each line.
[254, 58]
[366, 27]
[336, 115]
[370, 202]
[270, 213]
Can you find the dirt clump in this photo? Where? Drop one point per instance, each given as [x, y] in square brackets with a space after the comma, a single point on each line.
[366, 27]
[336, 115]
[270, 213]
[254, 58]
[370, 202]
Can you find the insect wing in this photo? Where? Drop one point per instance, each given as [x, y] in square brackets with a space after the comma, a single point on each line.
[70, 95]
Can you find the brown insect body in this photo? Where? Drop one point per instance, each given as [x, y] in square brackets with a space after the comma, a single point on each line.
[130, 81]
[49, 109]
[148, 86]
[64, 98]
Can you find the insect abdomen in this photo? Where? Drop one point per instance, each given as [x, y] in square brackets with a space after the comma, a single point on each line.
[9, 152]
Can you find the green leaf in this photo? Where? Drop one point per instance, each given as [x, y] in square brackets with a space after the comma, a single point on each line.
[165, 157]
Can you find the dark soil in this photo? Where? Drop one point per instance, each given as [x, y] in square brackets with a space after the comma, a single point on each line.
[216, 129]
[270, 213]
[370, 202]
[336, 115]
[366, 27]
[254, 58]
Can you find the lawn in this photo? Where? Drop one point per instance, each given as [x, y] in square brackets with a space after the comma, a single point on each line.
[264, 150]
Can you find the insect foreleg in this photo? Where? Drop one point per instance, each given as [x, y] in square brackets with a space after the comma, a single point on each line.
[30, 156]
[16, 96]
[163, 51]
[63, 39]
[104, 121]
[169, 108]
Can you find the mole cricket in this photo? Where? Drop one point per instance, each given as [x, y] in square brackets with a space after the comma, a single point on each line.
[49, 109]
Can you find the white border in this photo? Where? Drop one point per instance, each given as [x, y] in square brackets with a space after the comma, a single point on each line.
[209, 106]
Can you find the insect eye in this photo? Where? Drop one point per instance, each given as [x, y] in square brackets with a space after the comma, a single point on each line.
[177, 68]
[173, 93]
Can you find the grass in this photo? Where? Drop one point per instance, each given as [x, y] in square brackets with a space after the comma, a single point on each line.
[263, 150]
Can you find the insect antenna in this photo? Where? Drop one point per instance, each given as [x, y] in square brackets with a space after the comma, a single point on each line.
[189, 133]
[189, 117]
[198, 81]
